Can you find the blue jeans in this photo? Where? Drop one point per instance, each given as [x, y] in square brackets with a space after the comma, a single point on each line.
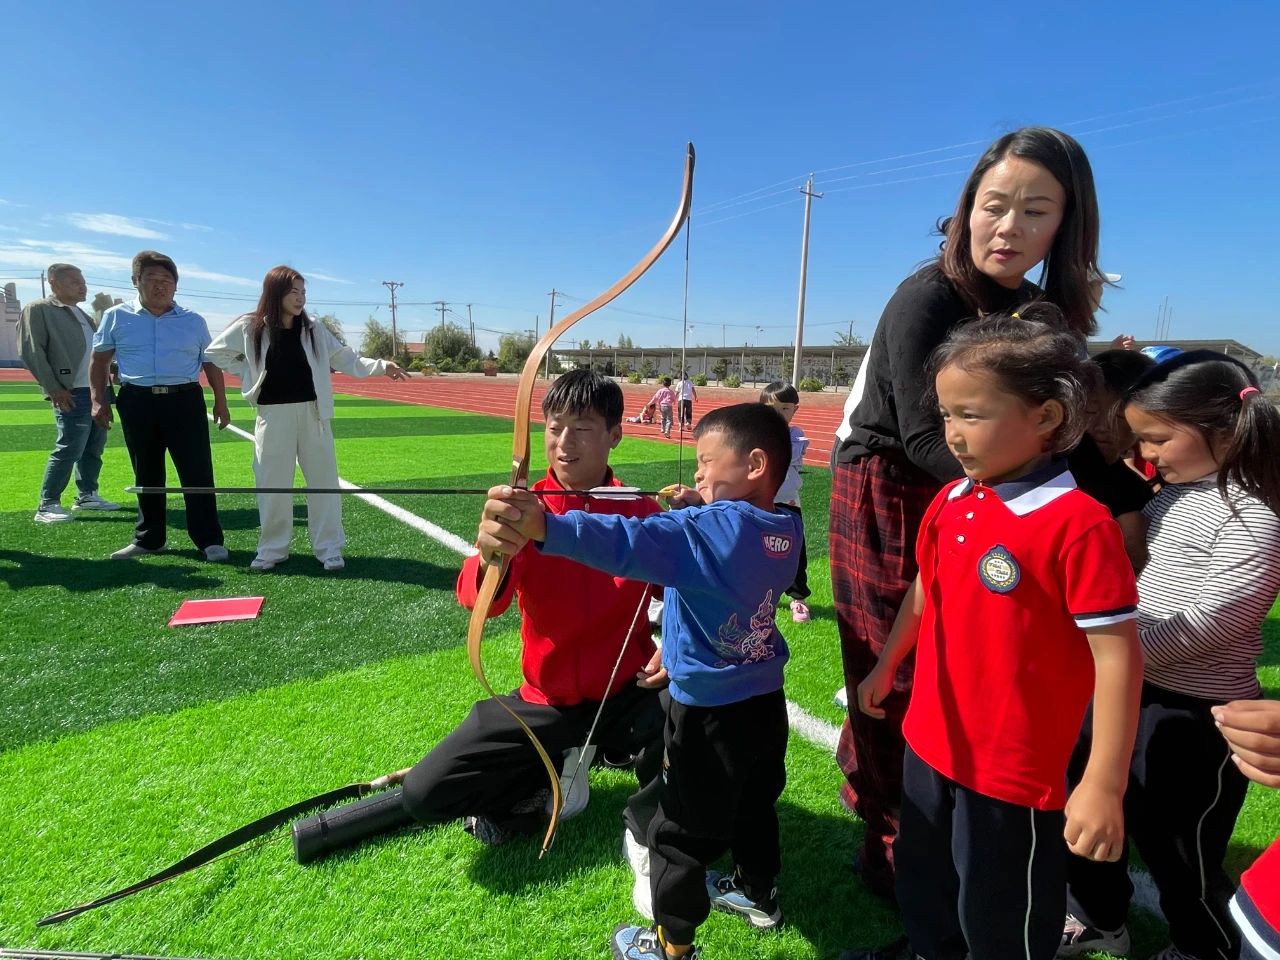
[79, 445]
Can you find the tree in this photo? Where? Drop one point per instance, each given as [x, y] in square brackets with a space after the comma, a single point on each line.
[513, 351]
[376, 342]
[449, 342]
[755, 367]
[647, 369]
[848, 340]
[102, 302]
[720, 368]
[601, 345]
[786, 369]
[331, 323]
[624, 342]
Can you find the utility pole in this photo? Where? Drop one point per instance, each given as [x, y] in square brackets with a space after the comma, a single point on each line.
[43, 294]
[551, 322]
[807, 190]
[392, 285]
[440, 305]
[472, 324]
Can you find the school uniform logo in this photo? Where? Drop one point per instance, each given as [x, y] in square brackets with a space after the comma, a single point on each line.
[998, 570]
[776, 545]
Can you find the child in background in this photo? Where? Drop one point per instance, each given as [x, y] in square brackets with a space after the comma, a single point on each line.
[1098, 463]
[1023, 609]
[1212, 576]
[664, 398]
[784, 398]
[645, 415]
[724, 565]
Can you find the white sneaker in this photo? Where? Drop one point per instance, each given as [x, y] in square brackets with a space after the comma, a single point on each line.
[264, 565]
[334, 563]
[216, 553]
[638, 858]
[574, 782]
[1078, 938]
[91, 501]
[52, 513]
[131, 551]
[841, 698]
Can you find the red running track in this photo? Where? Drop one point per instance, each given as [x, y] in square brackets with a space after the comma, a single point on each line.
[819, 414]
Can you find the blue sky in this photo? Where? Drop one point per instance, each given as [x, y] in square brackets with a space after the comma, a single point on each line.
[483, 154]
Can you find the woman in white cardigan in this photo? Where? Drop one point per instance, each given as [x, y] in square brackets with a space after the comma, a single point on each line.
[283, 360]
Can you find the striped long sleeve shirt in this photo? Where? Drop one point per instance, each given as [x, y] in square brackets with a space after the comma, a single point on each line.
[1211, 580]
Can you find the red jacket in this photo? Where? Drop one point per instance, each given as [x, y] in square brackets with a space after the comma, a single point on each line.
[1256, 907]
[572, 618]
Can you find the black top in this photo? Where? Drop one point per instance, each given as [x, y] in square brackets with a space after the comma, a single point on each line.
[896, 416]
[288, 378]
[1114, 485]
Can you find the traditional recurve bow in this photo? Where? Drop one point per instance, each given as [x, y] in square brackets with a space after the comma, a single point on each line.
[497, 568]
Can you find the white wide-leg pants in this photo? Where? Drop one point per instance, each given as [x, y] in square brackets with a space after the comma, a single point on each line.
[286, 434]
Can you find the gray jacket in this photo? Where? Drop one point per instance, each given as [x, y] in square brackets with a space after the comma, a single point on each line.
[52, 343]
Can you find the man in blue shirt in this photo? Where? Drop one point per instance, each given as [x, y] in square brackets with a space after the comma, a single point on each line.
[159, 348]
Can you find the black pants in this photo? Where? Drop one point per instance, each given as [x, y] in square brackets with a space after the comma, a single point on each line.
[799, 590]
[1180, 808]
[487, 764]
[723, 772]
[686, 413]
[154, 423]
[976, 876]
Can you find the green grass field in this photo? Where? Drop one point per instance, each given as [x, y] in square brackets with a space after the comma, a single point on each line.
[125, 744]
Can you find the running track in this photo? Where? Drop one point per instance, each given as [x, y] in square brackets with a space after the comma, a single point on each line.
[818, 416]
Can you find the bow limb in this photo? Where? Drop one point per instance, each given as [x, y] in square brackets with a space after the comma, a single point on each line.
[520, 452]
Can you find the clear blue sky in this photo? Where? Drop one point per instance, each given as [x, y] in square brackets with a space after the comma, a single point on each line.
[484, 153]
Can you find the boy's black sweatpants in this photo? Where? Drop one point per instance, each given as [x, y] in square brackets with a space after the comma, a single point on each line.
[976, 876]
[723, 772]
[1181, 806]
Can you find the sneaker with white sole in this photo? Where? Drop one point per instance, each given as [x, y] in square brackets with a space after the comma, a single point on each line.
[728, 896]
[52, 513]
[638, 859]
[133, 550]
[799, 611]
[257, 563]
[841, 698]
[575, 787]
[641, 943]
[216, 553]
[91, 501]
[1078, 938]
[333, 564]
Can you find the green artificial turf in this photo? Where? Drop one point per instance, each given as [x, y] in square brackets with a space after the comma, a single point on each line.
[124, 743]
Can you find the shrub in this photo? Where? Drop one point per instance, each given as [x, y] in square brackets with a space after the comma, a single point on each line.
[700, 380]
[445, 365]
[811, 384]
[417, 365]
[633, 377]
[733, 380]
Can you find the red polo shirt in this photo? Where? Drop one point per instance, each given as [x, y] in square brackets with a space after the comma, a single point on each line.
[1256, 907]
[572, 618]
[1013, 576]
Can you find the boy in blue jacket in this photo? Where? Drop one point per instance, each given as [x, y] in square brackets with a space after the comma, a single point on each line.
[724, 561]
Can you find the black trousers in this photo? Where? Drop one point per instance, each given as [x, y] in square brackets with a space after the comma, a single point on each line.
[487, 765]
[686, 412]
[176, 423]
[799, 589]
[723, 772]
[977, 876]
[1181, 805]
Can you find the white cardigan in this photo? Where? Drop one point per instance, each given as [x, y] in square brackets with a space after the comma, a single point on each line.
[232, 350]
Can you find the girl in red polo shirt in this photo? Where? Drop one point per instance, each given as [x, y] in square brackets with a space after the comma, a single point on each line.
[1023, 610]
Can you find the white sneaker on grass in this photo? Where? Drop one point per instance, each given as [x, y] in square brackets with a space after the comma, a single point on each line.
[133, 550]
[263, 565]
[1078, 938]
[52, 513]
[333, 564]
[574, 783]
[216, 553]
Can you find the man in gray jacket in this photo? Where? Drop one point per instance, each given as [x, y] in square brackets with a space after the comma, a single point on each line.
[55, 336]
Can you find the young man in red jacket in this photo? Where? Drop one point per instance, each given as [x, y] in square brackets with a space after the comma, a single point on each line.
[573, 623]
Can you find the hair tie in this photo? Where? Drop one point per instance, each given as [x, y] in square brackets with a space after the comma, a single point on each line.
[1246, 391]
[1015, 315]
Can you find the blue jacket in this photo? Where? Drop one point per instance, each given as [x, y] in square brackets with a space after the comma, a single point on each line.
[724, 567]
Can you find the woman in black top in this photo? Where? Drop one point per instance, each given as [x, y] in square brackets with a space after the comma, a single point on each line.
[1029, 200]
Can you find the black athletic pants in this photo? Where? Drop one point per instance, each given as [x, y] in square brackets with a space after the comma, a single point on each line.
[177, 422]
[976, 876]
[723, 772]
[487, 765]
[799, 589]
[1180, 808]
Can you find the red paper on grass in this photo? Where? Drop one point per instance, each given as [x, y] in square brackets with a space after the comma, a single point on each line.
[216, 611]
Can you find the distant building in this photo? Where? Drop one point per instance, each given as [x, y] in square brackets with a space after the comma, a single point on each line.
[10, 314]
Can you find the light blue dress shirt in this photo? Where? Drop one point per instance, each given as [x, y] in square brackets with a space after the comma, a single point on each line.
[154, 351]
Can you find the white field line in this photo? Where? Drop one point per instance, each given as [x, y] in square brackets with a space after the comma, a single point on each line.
[806, 725]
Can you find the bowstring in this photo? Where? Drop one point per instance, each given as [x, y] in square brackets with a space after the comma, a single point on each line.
[684, 351]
